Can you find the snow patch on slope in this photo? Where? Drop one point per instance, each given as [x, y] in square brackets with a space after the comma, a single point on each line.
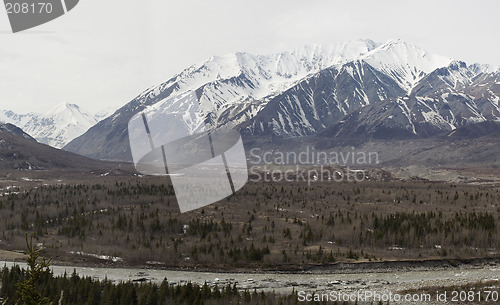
[405, 63]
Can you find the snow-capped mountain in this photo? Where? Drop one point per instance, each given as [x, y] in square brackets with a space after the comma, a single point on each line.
[389, 71]
[57, 127]
[351, 89]
[444, 100]
[322, 99]
[234, 87]
[240, 83]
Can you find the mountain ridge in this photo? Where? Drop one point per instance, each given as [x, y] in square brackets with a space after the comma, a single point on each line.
[392, 89]
[222, 92]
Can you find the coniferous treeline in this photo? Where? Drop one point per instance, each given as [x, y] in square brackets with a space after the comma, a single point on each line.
[78, 290]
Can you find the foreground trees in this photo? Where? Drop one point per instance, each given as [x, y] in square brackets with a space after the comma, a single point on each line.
[76, 290]
[28, 289]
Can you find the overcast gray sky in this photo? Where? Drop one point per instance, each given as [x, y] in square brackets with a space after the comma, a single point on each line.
[105, 52]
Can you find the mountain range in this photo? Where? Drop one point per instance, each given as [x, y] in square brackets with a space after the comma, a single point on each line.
[357, 90]
[56, 127]
[235, 87]
[344, 94]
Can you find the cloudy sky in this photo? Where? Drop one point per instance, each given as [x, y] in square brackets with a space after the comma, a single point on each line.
[103, 53]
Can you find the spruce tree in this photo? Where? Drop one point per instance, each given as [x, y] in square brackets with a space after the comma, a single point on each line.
[28, 289]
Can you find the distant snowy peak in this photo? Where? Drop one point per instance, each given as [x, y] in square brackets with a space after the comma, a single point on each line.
[56, 127]
[70, 114]
[104, 113]
[405, 63]
[484, 68]
[63, 107]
